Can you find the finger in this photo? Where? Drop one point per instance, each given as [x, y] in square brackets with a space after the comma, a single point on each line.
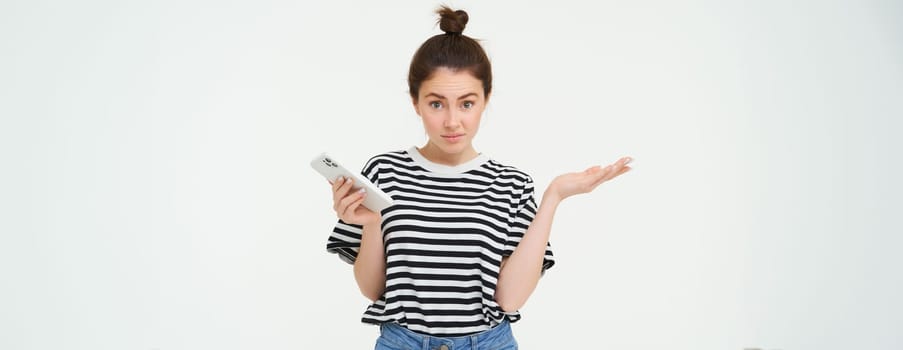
[587, 176]
[596, 179]
[598, 175]
[615, 168]
[341, 206]
[620, 164]
[342, 192]
[353, 201]
[344, 188]
[337, 193]
[605, 172]
[348, 183]
[602, 178]
[337, 183]
[617, 173]
[350, 198]
[623, 170]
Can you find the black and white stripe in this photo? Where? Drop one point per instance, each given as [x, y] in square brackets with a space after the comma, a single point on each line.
[445, 237]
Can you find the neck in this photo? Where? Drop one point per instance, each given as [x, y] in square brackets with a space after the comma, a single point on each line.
[436, 155]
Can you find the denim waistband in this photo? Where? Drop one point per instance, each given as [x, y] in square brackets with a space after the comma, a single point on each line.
[498, 335]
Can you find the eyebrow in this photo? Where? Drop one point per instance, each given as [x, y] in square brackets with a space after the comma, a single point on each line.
[471, 94]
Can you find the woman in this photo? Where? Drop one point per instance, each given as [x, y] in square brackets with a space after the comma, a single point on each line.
[463, 247]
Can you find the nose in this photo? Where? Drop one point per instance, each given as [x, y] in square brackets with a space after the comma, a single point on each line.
[452, 119]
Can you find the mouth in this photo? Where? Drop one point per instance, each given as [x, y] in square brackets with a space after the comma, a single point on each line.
[453, 137]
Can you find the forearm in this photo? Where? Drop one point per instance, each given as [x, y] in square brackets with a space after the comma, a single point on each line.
[521, 272]
[370, 265]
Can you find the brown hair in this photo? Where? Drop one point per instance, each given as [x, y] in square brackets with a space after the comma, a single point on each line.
[451, 50]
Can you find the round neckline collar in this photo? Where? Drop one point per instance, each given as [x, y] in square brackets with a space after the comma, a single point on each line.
[418, 158]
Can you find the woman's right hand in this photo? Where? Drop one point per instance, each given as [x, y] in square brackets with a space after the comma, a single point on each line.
[348, 204]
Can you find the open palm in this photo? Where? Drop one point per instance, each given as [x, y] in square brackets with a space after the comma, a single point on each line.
[586, 181]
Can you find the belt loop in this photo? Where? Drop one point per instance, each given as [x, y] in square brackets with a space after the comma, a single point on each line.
[426, 342]
[473, 342]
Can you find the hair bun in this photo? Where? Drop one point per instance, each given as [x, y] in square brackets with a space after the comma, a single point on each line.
[451, 21]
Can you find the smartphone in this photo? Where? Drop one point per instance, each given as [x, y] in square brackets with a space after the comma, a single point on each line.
[376, 199]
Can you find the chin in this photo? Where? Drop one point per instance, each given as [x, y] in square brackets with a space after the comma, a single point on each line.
[449, 148]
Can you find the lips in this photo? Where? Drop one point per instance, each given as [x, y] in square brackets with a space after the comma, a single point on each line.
[453, 137]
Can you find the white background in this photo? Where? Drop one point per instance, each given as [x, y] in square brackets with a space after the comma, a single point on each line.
[156, 192]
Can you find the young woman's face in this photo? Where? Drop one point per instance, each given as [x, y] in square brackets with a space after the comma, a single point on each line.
[450, 104]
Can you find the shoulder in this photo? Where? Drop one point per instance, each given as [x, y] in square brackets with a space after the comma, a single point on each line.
[507, 171]
[391, 156]
[392, 159]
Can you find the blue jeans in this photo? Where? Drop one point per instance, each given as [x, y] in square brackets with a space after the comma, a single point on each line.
[393, 336]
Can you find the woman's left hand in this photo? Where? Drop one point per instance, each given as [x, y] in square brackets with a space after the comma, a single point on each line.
[586, 181]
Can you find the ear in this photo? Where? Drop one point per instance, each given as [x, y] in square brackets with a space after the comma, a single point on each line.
[416, 107]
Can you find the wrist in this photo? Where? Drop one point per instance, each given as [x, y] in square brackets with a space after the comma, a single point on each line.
[551, 197]
[373, 225]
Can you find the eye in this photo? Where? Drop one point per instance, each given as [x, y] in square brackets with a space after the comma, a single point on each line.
[436, 104]
[467, 104]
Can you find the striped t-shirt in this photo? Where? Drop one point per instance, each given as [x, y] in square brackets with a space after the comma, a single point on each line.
[445, 237]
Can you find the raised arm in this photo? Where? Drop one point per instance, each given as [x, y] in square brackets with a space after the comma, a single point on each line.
[521, 271]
